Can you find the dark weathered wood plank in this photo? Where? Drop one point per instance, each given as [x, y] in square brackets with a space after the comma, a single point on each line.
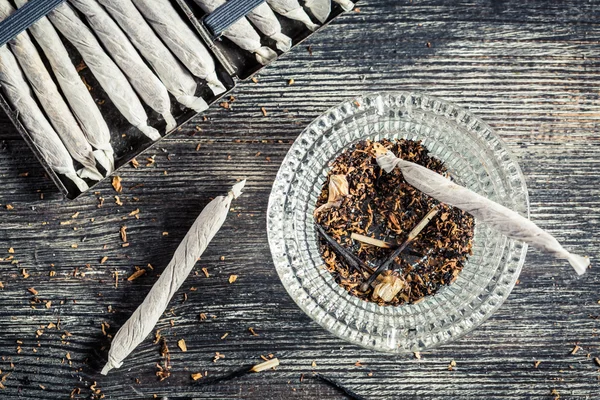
[530, 69]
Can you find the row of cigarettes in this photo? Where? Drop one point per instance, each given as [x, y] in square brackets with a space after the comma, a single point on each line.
[138, 51]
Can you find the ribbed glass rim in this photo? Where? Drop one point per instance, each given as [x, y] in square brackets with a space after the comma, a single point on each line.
[447, 130]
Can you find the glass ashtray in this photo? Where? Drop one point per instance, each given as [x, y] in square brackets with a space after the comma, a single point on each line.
[474, 156]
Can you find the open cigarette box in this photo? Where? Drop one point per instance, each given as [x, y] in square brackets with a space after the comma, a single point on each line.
[232, 64]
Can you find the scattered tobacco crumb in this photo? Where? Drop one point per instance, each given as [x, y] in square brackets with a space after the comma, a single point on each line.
[196, 376]
[597, 361]
[11, 250]
[232, 278]
[385, 207]
[163, 371]
[251, 329]
[417, 355]
[451, 365]
[218, 356]
[123, 232]
[139, 272]
[536, 364]
[116, 183]
[264, 111]
[205, 270]
[104, 326]
[254, 79]
[181, 344]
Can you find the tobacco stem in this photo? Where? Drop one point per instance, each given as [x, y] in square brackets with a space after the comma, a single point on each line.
[390, 260]
[350, 258]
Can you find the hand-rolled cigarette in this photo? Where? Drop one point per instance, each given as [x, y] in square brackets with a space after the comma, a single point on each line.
[51, 100]
[42, 134]
[293, 10]
[148, 86]
[143, 320]
[182, 41]
[484, 210]
[265, 21]
[82, 104]
[320, 9]
[241, 33]
[110, 77]
[173, 75]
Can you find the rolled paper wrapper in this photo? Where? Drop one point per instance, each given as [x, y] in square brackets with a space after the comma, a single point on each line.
[83, 105]
[173, 75]
[182, 41]
[108, 74]
[506, 221]
[241, 33]
[346, 5]
[145, 317]
[43, 136]
[52, 102]
[293, 10]
[143, 80]
[320, 9]
[265, 21]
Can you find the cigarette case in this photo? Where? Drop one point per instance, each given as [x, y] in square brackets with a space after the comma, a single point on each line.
[233, 65]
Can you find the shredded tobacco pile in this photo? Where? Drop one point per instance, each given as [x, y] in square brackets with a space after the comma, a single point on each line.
[385, 207]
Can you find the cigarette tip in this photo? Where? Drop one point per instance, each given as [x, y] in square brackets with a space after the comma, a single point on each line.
[387, 161]
[236, 190]
[579, 263]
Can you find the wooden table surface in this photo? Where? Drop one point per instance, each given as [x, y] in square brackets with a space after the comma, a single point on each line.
[529, 68]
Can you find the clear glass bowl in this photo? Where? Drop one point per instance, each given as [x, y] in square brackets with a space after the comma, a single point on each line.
[475, 157]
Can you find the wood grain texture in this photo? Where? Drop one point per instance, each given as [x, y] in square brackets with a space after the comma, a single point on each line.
[529, 68]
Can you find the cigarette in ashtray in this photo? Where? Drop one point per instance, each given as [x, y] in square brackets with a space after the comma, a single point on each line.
[506, 221]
